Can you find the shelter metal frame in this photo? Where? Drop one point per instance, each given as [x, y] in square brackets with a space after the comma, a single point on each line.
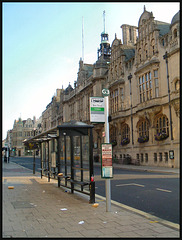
[72, 170]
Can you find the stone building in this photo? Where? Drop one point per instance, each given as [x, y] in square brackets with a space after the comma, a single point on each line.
[142, 73]
[91, 79]
[23, 129]
[144, 109]
[51, 116]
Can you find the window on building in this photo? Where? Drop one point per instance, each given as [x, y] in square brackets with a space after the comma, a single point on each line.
[166, 156]
[122, 98]
[125, 132]
[113, 134]
[160, 157]
[140, 55]
[143, 128]
[114, 101]
[145, 87]
[156, 81]
[146, 51]
[130, 34]
[153, 46]
[175, 33]
[162, 125]
[141, 157]
[155, 157]
[146, 157]
[163, 42]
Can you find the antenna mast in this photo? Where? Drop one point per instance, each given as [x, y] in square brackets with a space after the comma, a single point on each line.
[104, 19]
[82, 41]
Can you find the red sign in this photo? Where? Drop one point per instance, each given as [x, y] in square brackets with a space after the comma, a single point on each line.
[106, 160]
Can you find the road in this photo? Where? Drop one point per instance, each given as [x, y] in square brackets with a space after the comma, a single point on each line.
[151, 192]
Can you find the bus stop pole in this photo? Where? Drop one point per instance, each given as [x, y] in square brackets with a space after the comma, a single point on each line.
[91, 166]
[107, 181]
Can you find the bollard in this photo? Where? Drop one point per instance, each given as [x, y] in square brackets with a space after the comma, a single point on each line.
[92, 192]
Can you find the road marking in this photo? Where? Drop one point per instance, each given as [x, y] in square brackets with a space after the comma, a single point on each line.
[139, 185]
[130, 184]
[163, 190]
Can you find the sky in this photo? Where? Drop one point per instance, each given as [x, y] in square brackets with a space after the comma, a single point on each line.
[42, 46]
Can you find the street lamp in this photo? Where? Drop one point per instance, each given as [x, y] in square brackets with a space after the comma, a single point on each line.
[169, 101]
[129, 78]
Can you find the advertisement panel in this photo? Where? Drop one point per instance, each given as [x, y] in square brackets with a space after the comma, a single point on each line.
[106, 160]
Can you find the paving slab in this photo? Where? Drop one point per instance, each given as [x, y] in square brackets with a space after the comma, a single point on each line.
[38, 208]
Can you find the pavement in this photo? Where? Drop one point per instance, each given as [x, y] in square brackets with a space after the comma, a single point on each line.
[36, 208]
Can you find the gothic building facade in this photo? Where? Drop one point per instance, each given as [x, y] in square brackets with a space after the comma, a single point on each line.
[142, 74]
[144, 79]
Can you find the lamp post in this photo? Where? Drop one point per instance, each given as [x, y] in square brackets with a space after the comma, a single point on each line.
[169, 100]
[129, 78]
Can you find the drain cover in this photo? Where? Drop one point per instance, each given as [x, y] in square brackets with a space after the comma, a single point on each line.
[21, 204]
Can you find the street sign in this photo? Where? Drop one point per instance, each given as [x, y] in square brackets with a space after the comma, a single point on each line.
[106, 160]
[97, 106]
[105, 92]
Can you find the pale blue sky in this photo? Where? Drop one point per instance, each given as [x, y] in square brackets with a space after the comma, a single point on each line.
[42, 46]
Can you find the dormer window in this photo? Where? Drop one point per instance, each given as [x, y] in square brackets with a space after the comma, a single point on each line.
[175, 33]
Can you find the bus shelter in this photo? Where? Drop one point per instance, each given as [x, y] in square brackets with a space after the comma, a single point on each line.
[67, 155]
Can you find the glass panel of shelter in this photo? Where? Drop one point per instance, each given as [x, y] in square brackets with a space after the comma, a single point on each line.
[80, 166]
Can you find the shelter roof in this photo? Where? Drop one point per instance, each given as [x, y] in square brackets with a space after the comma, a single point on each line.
[72, 128]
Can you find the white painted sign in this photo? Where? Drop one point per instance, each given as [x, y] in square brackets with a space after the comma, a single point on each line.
[97, 113]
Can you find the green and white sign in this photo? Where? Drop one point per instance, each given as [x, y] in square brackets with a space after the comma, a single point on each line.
[105, 92]
[97, 105]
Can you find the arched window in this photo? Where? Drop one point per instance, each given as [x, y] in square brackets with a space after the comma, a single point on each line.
[146, 51]
[125, 134]
[125, 131]
[161, 127]
[143, 128]
[130, 34]
[143, 131]
[113, 134]
[140, 55]
[175, 33]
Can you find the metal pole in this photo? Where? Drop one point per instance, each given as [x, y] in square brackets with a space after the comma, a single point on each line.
[91, 167]
[65, 159]
[72, 163]
[34, 162]
[169, 100]
[129, 78]
[48, 161]
[34, 157]
[41, 161]
[108, 181]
